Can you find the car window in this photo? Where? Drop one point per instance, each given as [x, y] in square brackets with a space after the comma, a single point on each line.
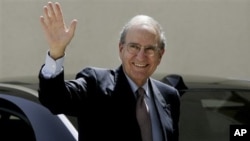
[14, 125]
[207, 115]
[29, 96]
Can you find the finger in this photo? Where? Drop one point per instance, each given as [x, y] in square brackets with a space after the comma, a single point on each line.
[42, 21]
[59, 12]
[51, 11]
[46, 13]
[72, 27]
[44, 25]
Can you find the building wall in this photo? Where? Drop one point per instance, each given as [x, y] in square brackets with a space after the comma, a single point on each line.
[205, 37]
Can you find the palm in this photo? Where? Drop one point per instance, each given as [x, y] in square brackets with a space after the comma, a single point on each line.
[57, 33]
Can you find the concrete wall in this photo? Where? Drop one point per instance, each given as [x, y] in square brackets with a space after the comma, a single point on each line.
[205, 37]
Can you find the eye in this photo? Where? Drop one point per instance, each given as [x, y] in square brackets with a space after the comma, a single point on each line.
[150, 49]
[134, 46]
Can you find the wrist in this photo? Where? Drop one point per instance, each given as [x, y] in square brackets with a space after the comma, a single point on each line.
[55, 54]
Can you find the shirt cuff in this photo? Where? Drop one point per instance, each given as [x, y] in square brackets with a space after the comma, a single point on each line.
[52, 67]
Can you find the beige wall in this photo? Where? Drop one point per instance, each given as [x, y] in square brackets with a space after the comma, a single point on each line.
[205, 37]
[1, 43]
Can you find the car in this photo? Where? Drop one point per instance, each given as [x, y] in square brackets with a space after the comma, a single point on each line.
[210, 106]
[22, 117]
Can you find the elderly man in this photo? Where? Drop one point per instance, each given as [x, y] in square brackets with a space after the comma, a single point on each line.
[124, 104]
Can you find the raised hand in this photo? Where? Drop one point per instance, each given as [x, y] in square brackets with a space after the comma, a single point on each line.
[56, 31]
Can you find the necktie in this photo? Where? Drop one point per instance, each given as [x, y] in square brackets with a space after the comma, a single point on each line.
[143, 117]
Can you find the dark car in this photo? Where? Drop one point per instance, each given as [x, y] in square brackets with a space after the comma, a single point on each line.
[23, 118]
[209, 106]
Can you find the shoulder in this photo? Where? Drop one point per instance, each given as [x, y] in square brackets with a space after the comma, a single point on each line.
[163, 86]
[95, 69]
[96, 75]
[167, 91]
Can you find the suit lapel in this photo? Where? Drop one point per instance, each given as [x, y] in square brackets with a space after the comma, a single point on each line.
[122, 87]
[162, 108]
[125, 102]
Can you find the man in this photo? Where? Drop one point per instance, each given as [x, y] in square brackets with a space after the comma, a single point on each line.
[105, 101]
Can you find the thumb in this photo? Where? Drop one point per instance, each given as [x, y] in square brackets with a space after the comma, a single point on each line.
[72, 27]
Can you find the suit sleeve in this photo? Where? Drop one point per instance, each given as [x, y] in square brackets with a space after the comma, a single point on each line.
[65, 96]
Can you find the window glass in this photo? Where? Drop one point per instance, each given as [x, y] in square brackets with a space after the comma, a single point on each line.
[207, 115]
[13, 124]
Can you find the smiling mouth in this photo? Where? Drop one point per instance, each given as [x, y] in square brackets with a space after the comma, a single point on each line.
[140, 65]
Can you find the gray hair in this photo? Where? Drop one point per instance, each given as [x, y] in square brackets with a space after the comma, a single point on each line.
[144, 19]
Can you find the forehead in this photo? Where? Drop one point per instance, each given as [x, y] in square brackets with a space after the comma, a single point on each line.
[142, 33]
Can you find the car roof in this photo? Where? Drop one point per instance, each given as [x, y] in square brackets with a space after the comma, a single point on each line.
[40, 118]
[26, 99]
[195, 81]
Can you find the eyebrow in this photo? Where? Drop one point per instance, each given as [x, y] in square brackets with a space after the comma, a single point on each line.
[133, 43]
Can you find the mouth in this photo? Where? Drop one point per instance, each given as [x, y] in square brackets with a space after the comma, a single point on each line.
[140, 65]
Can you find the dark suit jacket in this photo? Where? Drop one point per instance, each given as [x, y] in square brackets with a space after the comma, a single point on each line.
[104, 104]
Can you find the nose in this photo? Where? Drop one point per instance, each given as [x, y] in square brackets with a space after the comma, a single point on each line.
[141, 53]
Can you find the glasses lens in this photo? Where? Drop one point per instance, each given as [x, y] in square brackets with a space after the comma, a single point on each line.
[135, 49]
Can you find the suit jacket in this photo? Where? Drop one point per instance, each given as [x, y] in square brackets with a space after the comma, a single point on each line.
[104, 104]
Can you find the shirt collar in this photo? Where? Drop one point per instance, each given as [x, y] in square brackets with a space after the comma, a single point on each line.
[134, 87]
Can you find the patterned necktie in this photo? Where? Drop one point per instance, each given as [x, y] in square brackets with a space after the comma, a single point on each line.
[143, 117]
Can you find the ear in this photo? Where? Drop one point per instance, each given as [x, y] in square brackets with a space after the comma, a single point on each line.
[120, 47]
[161, 53]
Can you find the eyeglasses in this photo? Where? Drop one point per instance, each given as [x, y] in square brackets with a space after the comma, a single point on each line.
[135, 48]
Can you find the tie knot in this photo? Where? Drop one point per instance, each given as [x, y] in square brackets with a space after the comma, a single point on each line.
[140, 92]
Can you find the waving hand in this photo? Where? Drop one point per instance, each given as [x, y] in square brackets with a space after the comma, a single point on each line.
[57, 33]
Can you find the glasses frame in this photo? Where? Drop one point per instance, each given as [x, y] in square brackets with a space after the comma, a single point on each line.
[135, 48]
